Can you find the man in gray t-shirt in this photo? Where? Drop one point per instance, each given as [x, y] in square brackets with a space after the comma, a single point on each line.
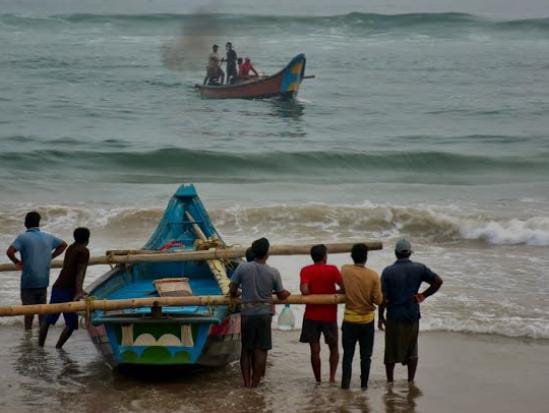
[258, 281]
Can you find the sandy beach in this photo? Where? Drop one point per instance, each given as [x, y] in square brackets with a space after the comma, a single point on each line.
[457, 372]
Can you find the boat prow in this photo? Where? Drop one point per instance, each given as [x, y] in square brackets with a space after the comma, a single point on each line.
[169, 336]
[284, 84]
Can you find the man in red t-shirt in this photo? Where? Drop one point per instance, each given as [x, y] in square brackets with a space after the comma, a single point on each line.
[320, 278]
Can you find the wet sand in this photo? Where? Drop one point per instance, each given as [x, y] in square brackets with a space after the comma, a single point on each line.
[457, 372]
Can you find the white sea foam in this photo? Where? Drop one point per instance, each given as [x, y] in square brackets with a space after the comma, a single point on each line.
[307, 221]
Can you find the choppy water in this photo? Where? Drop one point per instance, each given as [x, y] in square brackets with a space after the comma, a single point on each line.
[425, 125]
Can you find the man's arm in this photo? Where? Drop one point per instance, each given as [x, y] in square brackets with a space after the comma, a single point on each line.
[381, 316]
[11, 255]
[235, 283]
[377, 296]
[59, 250]
[252, 69]
[282, 295]
[434, 286]
[80, 274]
[278, 288]
[303, 283]
[233, 290]
[383, 304]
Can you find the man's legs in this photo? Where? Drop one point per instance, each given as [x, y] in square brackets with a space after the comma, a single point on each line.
[412, 367]
[348, 341]
[315, 360]
[390, 371]
[28, 321]
[63, 337]
[366, 341]
[260, 361]
[31, 296]
[43, 333]
[246, 366]
[334, 360]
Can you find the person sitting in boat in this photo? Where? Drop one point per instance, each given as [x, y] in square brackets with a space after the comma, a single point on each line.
[214, 73]
[232, 74]
[247, 70]
[239, 61]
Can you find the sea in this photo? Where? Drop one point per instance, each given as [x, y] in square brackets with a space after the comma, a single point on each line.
[431, 126]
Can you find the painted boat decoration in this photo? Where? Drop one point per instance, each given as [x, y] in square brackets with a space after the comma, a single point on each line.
[173, 336]
[284, 84]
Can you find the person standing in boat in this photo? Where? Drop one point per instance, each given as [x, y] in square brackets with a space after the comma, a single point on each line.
[320, 278]
[400, 284]
[232, 73]
[214, 73]
[69, 286]
[258, 281]
[37, 249]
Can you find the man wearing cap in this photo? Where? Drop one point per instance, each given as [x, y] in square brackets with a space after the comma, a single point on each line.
[400, 284]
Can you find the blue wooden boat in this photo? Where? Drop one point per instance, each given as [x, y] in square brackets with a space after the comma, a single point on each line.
[170, 336]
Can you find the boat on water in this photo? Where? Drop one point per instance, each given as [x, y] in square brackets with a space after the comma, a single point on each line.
[284, 84]
[175, 335]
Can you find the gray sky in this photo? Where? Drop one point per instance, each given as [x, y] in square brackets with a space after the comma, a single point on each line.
[499, 9]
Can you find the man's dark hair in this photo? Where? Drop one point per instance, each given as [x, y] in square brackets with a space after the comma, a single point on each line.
[359, 253]
[81, 235]
[260, 248]
[32, 219]
[318, 252]
[403, 254]
[250, 256]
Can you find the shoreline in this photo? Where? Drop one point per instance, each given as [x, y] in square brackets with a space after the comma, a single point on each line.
[457, 372]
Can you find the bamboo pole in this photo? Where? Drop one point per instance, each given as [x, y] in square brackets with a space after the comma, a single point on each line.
[216, 266]
[204, 300]
[211, 254]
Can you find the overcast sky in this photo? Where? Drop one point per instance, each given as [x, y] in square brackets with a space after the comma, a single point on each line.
[501, 9]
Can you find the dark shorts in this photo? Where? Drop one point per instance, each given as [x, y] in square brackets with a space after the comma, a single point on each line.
[256, 331]
[400, 342]
[60, 295]
[311, 330]
[30, 296]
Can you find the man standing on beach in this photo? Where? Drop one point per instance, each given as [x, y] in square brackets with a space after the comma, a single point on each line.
[69, 286]
[35, 248]
[258, 282]
[363, 291]
[400, 284]
[320, 278]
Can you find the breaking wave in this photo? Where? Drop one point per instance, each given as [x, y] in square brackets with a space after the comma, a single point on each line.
[306, 222]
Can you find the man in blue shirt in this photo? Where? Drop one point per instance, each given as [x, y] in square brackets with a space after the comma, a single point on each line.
[400, 284]
[36, 249]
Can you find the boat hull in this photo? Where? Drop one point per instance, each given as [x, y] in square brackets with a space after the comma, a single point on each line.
[175, 335]
[157, 345]
[284, 84]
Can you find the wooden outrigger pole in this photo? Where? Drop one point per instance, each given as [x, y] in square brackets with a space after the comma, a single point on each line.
[109, 305]
[132, 257]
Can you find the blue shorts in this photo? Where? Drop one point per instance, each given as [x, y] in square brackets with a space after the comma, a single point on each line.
[60, 295]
